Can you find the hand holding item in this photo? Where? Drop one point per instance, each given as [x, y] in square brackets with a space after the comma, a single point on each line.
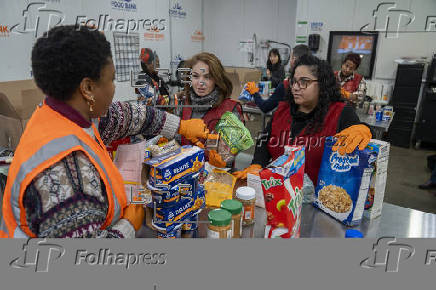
[216, 160]
[268, 73]
[253, 169]
[194, 129]
[352, 137]
[345, 94]
[135, 214]
[251, 88]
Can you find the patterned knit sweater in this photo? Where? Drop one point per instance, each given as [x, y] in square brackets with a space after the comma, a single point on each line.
[69, 198]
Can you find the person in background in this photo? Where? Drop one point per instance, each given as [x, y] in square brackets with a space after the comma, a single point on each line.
[62, 182]
[275, 71]
[283, 88]
[353, 85]
[208, 95]
[314, 109]
[431, 183]
[149, 64]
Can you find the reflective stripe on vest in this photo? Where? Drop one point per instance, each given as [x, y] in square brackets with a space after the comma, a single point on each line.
[48, 138]
[53, 148]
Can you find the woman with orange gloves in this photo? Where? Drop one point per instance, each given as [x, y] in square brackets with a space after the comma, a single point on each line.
[62, 182]
[208, 97]
[314, 112]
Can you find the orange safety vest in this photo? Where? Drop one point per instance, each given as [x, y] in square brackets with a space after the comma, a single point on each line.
[47, 139]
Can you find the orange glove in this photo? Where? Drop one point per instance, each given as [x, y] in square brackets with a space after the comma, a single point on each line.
[162, 140]
[135, 214]
[193, 129]
[350, 138]
[251, 88]
[345, 94]
[216, 160]
[253, 169]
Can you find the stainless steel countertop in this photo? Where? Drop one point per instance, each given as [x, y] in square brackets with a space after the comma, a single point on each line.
[370, 120]
[395, 221]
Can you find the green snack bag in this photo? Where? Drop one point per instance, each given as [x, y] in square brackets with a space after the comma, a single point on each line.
[234, 133]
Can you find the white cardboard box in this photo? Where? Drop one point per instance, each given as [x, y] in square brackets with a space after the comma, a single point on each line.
[378, 180]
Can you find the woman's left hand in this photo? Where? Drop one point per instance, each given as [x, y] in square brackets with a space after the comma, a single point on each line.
[352, 137]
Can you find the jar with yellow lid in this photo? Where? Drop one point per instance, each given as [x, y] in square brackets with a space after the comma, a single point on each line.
[235, 208]
[247, 196]
[220, 224]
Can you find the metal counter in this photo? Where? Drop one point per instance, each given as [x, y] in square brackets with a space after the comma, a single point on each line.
[378, 126]
[395, 221]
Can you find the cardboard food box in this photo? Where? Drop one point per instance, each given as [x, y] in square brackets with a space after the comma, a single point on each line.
[18, 100]
[241, 75]
[376, 193]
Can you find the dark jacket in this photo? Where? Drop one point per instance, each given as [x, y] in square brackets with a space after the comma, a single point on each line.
[277, 74]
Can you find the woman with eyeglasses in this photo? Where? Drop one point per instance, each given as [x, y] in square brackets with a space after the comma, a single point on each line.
[314, 110]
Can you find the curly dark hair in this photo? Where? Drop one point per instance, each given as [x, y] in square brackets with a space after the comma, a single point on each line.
[269, 64]
[329, 90]
[63, 56]
[355, 58]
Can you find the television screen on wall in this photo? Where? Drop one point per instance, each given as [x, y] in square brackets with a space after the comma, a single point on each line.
[342, 43]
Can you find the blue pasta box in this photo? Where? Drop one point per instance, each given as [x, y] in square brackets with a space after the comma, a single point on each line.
[343, 183]
[171, 167]
[167, 219]
[165, 195]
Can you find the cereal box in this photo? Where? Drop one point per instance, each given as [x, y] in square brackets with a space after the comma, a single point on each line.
[376, 193]
[282, 183]
[171, 167]
[343, 183]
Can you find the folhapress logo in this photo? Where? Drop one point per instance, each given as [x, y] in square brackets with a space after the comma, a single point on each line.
[38, 255]
[37, 11]
[388, 18]
[387, 254]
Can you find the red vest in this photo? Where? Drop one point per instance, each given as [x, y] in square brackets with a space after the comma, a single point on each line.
[352, 85]
[281, 136]
[213, 115]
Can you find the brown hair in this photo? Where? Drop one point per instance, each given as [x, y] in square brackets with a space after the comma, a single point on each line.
[217, 73]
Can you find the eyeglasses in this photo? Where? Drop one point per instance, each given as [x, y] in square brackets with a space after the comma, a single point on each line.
[302, 83]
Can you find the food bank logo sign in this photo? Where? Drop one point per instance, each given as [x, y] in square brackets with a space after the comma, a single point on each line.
[387, 254]
[124, 5]
[177, 11]
[4, 31]
[38, 255]
[35, 16]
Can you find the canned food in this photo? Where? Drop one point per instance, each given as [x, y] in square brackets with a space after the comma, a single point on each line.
[378, 115]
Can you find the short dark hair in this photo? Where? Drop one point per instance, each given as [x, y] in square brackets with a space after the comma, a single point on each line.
[354, 57]
[329, 90]
[63, 56]
[300, 50]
